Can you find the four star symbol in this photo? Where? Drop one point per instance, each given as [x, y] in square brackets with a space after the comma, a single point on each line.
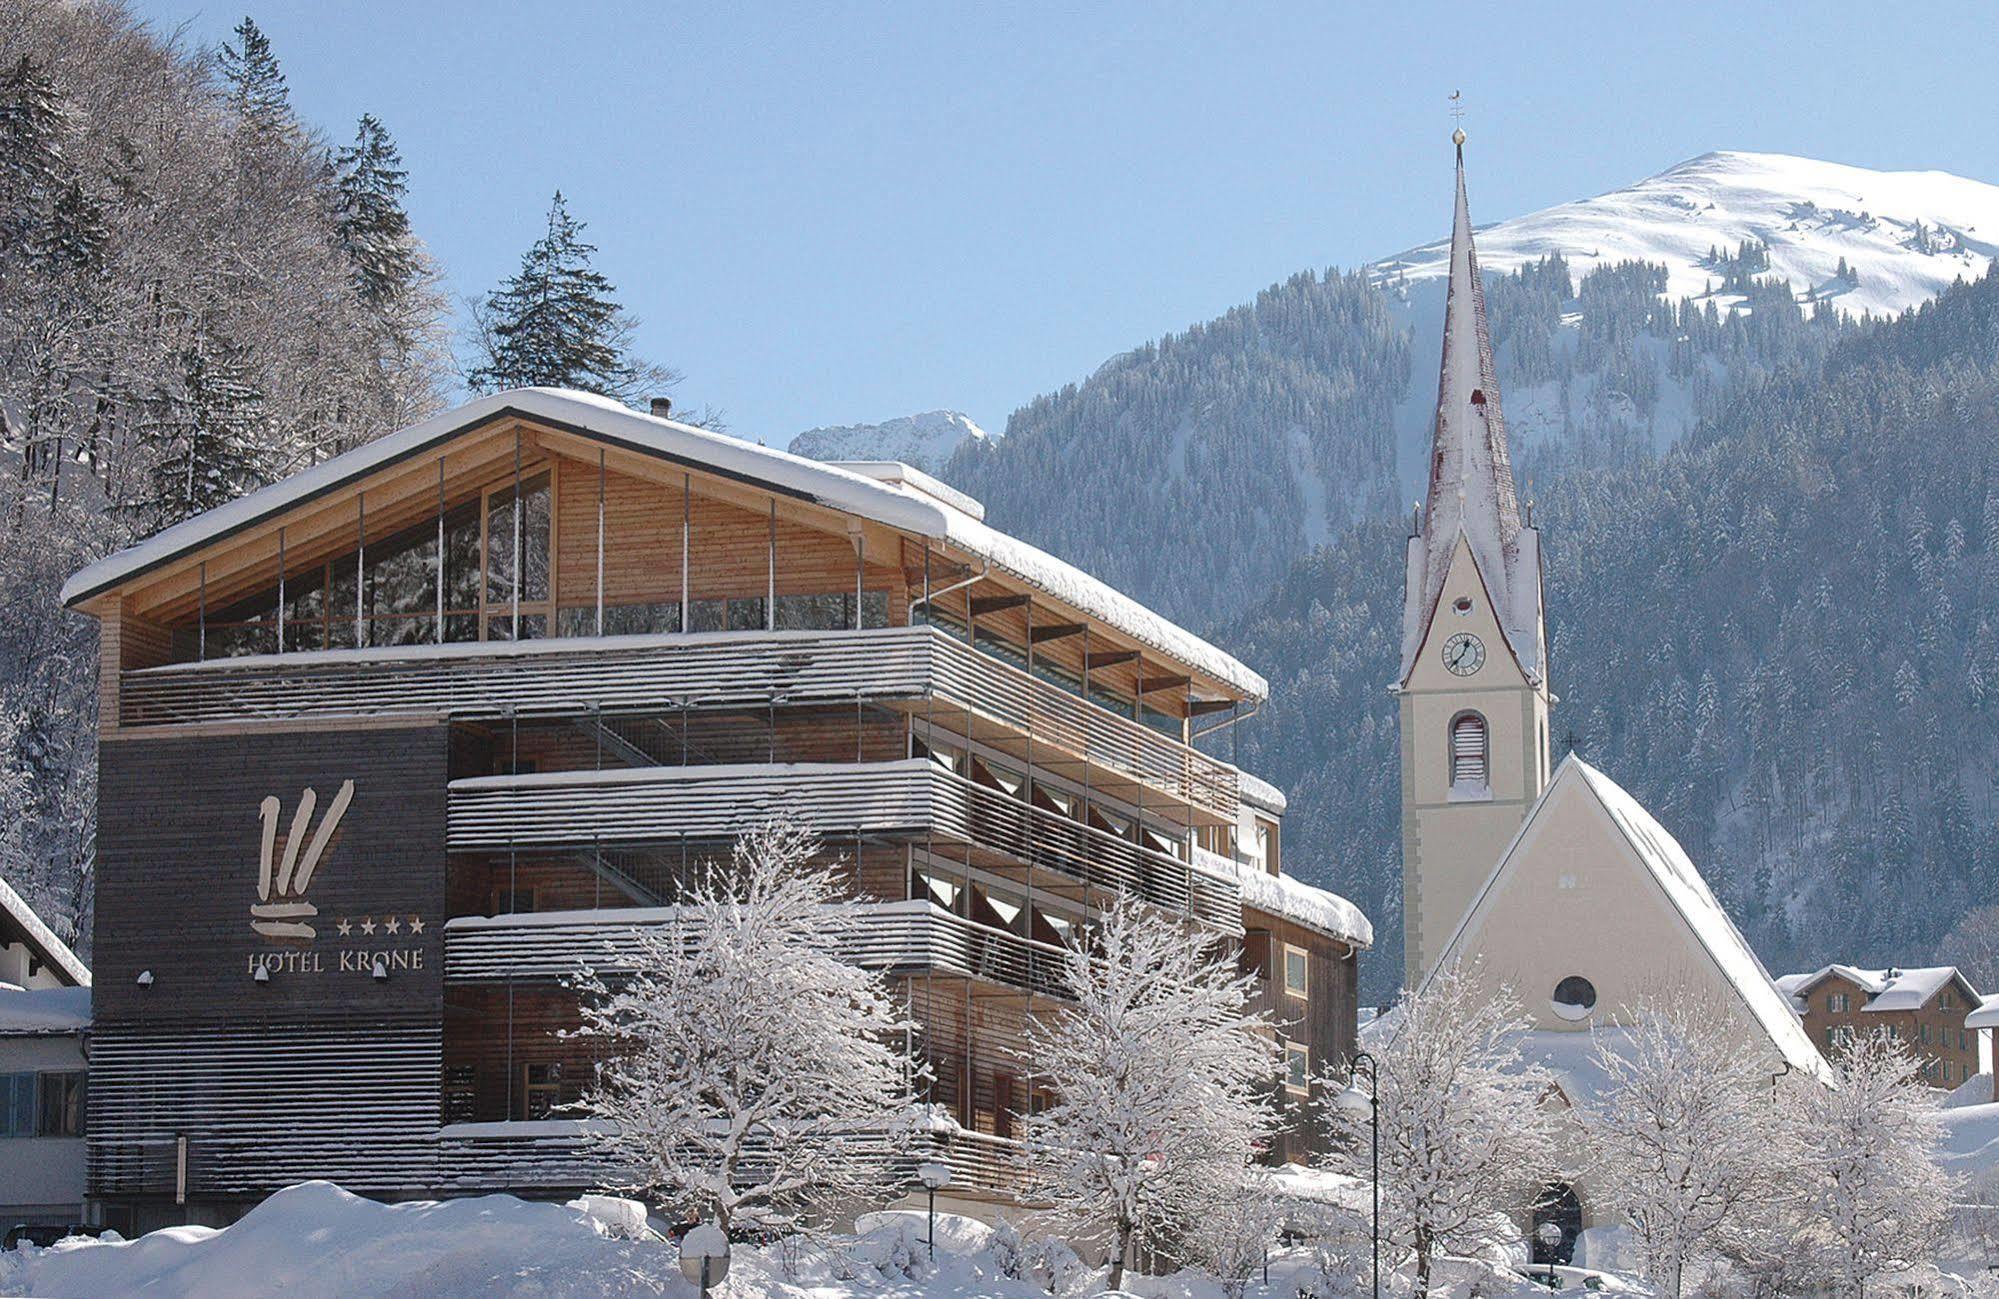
[389, 925]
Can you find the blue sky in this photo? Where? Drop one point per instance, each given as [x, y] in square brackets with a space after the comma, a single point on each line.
[843, 213]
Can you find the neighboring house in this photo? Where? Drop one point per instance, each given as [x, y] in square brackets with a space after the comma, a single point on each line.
[1985, 1023]
[391, 747]
[1924, 1008]
[1547, 879]
[44, 1014]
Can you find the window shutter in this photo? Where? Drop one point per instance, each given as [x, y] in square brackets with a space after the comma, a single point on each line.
[1468, 750]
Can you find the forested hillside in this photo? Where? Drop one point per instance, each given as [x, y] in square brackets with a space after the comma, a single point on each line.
[1780, 635]
[197, 294]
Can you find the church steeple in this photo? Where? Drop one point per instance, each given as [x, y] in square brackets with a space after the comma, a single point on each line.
[1471, 492]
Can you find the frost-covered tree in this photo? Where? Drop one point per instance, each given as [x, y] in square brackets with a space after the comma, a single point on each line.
[1873, 1201]
[749, 1073]
[33, 170]
[555, 323]
[1161, 1076]
[1683, 1136]
[1467, 1137]
[208, 435]
[258, 95]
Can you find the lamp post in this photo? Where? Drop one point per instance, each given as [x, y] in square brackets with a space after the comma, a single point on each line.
[935, 1177]
[1352, 1100]
[1550, 1236]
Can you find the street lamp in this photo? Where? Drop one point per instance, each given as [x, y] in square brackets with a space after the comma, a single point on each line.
[1352, 1100]
[1550, 1237]
[935, 1177]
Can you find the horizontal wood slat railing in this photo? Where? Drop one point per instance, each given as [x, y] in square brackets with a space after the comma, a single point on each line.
[908, 799]
[719, 670]
[900, 937]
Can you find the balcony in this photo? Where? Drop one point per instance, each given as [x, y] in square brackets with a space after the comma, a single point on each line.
[911, 800]
[916, 937]
[916, 669]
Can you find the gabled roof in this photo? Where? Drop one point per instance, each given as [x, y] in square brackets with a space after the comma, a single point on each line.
[1471, 493]
[1891, 989]
[901, 499]
[1667, 865]
[1986, 1016]
[41, 940]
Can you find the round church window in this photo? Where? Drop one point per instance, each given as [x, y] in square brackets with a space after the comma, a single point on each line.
[1575, 997]
[1462, 604]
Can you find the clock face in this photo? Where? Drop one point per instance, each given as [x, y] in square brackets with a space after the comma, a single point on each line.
[1464, 654]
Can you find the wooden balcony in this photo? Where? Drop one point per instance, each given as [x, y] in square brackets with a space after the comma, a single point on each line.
[913, 800]
[918, 669]
[916, 937]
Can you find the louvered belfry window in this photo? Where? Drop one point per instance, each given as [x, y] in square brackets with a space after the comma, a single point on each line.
[1468, 750]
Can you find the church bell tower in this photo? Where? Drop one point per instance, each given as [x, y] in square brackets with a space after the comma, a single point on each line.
[1473, 689]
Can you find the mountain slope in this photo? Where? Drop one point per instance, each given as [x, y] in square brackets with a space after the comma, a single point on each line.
[1227, 451]
[1782, 635]
[926, 441]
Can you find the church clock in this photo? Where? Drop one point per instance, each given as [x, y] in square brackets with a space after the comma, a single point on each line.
[1464, 654]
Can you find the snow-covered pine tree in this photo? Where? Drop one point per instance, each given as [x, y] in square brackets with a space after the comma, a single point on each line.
[1161, 1075]
[555, 323]
[373, 229]
[207, 438]
[750, 1074]
[258, 96]
[1873, 1202]
[1683, 1136]
[33, 170]
[1465, 1138]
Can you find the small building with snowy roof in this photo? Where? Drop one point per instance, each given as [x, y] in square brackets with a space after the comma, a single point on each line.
[44, 1015]
[1923, 1007]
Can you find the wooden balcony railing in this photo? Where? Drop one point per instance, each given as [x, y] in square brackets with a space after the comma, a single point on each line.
[902, 937]
[905, 799]
[704, 670]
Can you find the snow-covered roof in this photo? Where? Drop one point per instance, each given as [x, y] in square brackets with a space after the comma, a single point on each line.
[50, 950]
[1261, 793]
[1986, 1016]
[898, 502]
[1891, 989]
[1669, 867]
[1317, 909]
[35, 1012]
[1471, 493]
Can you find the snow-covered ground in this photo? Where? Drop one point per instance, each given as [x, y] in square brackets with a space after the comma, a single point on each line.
[925, 441]
[315, 1240]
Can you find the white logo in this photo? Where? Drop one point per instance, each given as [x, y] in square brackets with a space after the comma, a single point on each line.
[281, 909]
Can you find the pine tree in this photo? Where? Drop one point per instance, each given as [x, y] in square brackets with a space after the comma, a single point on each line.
[556, 324]
[258, 96]
[373, 229]
[33, 170]
[207, 438]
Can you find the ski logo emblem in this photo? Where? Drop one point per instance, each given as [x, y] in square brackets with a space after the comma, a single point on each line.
[281, 910]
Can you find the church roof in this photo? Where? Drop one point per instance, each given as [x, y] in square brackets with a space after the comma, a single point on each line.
[1669, 868]
[1471, 492]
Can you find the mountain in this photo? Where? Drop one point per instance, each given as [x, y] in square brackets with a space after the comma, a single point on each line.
[926, 441]
[1193, 471]
[1782, 634]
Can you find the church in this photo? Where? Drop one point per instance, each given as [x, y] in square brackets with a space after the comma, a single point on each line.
[1546, 878]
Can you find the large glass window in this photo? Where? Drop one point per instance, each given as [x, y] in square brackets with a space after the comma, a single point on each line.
[524, 523]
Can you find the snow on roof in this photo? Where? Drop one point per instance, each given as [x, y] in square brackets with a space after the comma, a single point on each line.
[899, 501]
[1317, 909]
[1895, 988]
[52, 951]
[1261, 793]
[1986, 1016]
[1668, 865]
[39, 1011]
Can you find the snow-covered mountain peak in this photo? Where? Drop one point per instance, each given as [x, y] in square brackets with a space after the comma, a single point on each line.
[1902, 235]
[923, 441]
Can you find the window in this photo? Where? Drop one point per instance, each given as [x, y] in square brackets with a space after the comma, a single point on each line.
[17, 1105]
[524, 576]
[1575, 997]
[1297, 1068]
[541, 1089]
[1838, 1035]
[1269, 846]
[1945, 1001]
[1468, 751]
[1836, 1003]
[61, 1105]
[1297, 971]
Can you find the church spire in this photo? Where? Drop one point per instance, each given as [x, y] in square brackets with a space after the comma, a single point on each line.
[1471, 492]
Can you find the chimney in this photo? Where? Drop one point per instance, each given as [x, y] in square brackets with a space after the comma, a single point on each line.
[662, 407]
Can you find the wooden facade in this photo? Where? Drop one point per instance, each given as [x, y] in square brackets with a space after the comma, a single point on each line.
[532, 671]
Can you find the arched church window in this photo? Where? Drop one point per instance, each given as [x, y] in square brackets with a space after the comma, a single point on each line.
[1575, 997]
[1469, 750]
